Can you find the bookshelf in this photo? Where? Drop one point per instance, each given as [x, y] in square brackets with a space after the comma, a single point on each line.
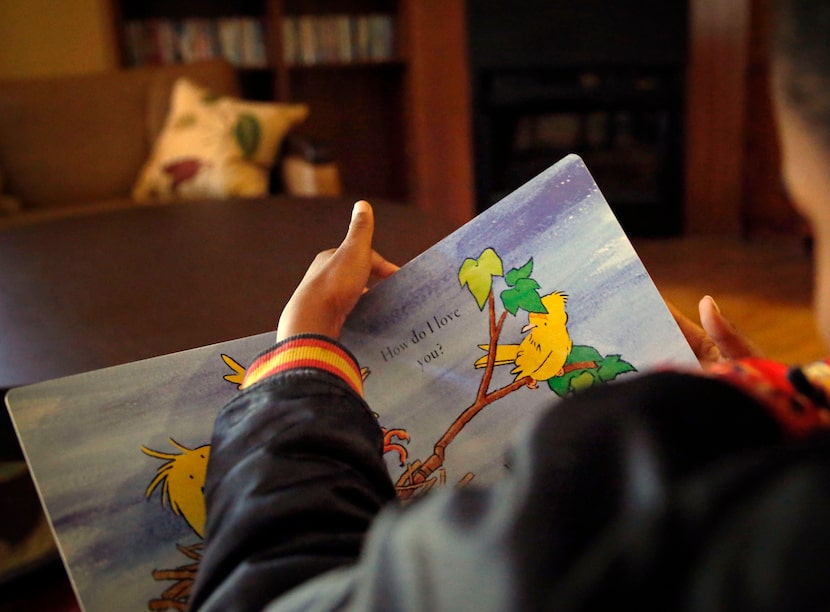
[357, 97]
[386, 80]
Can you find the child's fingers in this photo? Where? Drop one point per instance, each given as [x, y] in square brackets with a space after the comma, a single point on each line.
[702, 345]
[732, 344]
[381, 268]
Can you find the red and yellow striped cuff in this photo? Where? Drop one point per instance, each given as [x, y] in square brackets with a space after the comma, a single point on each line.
[306, 351]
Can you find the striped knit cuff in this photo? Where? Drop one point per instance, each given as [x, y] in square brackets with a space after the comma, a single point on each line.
[797, 398]
[306, 351]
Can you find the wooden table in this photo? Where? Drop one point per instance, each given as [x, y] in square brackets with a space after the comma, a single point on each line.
[88, 292]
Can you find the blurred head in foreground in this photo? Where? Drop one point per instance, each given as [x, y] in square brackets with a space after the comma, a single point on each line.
[801, 92]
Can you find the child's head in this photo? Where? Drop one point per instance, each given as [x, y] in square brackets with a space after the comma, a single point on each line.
[801, 89]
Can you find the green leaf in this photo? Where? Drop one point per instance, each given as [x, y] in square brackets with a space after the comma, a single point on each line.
[608, 368]
[524, 291]
[524, 295]
[585, 379]
[560, 384]
[582, 352]
[477, 275]
[527, 285]
[248, 133]
[575, 380]
[612, 366]
[517, 274]
[510, 299]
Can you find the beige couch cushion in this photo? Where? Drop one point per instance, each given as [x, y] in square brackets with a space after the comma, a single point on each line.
[215, 146]
[71, 140]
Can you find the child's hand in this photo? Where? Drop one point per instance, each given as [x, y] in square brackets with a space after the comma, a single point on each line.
[335, 281]
[716, 338]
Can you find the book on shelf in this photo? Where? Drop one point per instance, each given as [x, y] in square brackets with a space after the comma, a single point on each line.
[381, 37]
[152, 41]
[239, 39]
[229, 30]
[198, 39]
[254, 52]
[338, 38]
[442, 347]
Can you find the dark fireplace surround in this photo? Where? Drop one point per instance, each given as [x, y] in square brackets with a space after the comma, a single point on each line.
[601, 79]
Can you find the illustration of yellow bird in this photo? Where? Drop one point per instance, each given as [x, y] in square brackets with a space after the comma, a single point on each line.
[182, 477]
[543, 352]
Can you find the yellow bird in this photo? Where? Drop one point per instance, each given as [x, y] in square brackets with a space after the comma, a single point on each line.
[543, 352]
[182, 477]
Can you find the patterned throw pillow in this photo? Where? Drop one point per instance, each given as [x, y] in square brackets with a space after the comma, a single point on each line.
[215, 146]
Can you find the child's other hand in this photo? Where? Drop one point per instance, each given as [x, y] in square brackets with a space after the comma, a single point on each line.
[716, 338]
[335, 281]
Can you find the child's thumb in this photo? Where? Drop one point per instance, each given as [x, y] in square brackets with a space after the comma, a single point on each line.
[361, 227]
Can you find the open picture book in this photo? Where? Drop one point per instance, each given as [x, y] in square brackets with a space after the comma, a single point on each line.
[540, 296]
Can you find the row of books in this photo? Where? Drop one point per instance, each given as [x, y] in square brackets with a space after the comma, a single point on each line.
[241, 40]
[321, 39]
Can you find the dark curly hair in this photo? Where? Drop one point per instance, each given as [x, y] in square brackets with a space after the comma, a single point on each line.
[801, 51]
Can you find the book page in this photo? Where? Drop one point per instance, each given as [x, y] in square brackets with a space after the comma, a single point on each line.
[551, 269]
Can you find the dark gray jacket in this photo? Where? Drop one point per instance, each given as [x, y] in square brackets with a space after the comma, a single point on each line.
[667, 492]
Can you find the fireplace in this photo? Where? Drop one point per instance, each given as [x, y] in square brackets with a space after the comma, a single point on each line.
[614, 95]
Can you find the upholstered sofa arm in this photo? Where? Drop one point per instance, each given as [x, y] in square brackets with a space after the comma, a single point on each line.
[75, 140]
[308, 167]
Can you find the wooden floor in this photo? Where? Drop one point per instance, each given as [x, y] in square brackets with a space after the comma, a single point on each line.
[763, 284]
